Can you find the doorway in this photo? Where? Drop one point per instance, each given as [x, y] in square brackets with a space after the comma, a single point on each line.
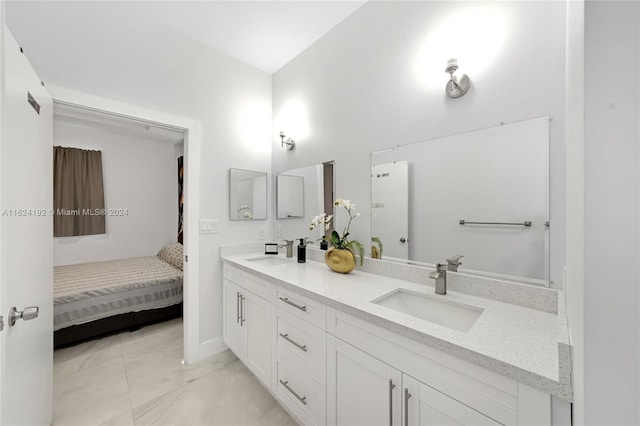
[115, 112]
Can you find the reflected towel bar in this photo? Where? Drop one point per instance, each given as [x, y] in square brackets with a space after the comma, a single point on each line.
[526, 223]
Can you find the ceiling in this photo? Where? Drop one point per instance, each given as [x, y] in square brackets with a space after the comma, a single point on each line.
[264, 34]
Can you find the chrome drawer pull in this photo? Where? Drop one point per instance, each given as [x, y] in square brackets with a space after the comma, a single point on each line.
[288, 339]
[238, 315]
[242, 318]
[295, 305]
[407, 395]
[391, 388]
[301, 399]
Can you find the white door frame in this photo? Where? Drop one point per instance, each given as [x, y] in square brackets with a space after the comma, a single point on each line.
[192, 143]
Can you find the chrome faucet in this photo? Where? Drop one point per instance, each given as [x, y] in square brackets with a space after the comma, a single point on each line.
[289, 245]
[454, 262]
[440, 275]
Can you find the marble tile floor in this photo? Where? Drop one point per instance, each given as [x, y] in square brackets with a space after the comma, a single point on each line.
[137, 378]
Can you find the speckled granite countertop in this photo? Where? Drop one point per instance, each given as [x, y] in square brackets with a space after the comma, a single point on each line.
[528, 345]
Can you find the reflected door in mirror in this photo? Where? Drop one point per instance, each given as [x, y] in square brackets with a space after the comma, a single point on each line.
[390, 207]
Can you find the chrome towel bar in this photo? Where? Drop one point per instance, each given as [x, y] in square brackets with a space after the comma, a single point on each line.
[526, 223]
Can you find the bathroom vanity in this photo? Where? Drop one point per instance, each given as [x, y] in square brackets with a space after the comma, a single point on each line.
[368, 348]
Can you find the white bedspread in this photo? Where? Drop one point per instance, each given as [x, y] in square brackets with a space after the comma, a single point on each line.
[90, 291]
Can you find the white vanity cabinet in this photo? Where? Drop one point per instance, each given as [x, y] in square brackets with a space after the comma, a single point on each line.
[366, 391]
[247, 321]
[300, 361]
[329, 367]
[378, 377]
[422, 405]
[362, 390]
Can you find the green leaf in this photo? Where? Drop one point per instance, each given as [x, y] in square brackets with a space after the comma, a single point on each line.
[335, 238]
[378, 241]
[356, 247]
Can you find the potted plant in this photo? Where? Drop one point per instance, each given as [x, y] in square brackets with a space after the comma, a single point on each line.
[341, 256]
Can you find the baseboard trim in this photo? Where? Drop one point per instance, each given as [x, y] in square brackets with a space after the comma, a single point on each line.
[211, 347]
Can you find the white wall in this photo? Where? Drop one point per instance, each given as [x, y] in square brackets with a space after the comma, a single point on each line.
[611, 239]
[140, 176]
[377, 80]
[151, 67]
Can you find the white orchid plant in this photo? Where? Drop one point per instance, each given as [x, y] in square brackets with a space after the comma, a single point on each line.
[337, 241]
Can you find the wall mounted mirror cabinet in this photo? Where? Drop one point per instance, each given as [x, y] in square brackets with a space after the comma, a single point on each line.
[302, 193]
[482, 194]
[247, 195]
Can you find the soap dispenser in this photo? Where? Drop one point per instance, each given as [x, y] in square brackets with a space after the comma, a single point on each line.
[302, 250]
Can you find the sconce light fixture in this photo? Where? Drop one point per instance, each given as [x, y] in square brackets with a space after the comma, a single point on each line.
[290, 143]
[456, 87]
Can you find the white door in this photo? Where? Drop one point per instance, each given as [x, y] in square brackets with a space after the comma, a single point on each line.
[361, 389]
[26, 231]
[390, 207]
[257, 320]
[233, 334]
[425, 406]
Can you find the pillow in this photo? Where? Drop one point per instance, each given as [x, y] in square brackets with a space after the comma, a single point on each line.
[172, 253]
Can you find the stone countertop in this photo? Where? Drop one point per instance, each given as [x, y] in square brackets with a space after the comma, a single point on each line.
[528, 345]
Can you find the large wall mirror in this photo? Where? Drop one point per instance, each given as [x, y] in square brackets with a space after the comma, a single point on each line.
[247, 195]
[289, 196]
[482, 194]
[302, 193]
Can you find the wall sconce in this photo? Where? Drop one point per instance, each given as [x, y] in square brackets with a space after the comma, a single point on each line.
[290, 143]
[456, 87]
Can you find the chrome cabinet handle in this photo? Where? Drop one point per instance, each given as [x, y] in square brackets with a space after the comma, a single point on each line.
[403, 240]
[238, 307]
[391, 388]
[286, 300]
[27, 314]
[302, 399]
[242, 318]
[407, 395]
[293, 342]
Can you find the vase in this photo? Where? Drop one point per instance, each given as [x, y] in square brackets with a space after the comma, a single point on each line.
[340, 260]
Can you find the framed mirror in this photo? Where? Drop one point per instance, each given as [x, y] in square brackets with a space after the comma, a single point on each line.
[305, 190]
[482, 194]
[289, 196]
[247, 195]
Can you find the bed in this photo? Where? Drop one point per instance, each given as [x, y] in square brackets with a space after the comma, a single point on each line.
[98, 298]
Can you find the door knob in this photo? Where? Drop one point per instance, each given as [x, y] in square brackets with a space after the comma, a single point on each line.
[29, 313]
[403, 240]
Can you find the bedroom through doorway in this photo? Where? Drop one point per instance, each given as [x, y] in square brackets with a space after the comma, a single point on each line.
[118, 224]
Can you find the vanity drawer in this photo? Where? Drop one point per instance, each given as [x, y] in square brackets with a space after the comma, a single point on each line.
[302, 307]
[304, 344]
[248, 281]
[304, 396]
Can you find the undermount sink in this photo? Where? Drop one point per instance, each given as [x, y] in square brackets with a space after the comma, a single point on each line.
[268, 260]
[445, 313]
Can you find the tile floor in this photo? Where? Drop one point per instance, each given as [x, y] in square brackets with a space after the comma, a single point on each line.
[137, 378]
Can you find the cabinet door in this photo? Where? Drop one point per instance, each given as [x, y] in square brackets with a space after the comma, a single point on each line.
[233, 334]
[425, 406]
[256, 313]
[361, 390]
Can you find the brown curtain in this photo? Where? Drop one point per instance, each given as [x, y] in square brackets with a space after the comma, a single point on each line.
[180, 199]
[78, 193]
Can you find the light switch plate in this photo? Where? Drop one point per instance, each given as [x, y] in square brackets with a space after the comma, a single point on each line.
[209, 226]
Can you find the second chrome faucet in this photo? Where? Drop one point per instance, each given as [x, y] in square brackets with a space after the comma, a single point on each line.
[440, 274]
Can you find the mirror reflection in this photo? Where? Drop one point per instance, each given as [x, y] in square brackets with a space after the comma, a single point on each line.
[247, 195]
[302, 193]
[289, 196]
[482, 194]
